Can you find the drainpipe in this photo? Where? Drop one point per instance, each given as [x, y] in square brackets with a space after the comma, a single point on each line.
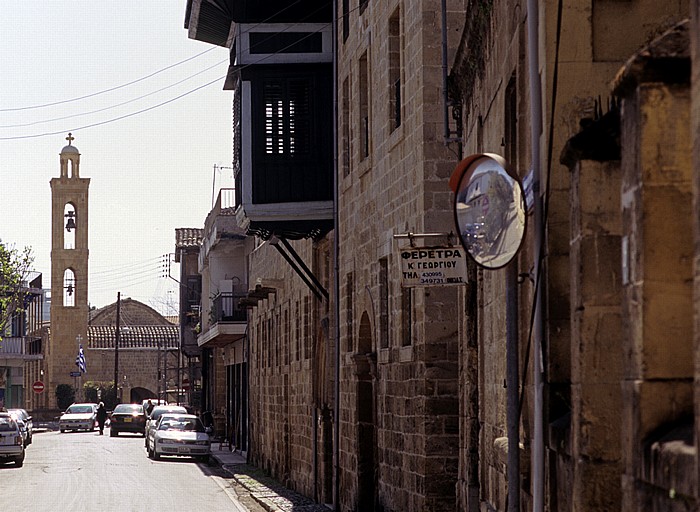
[535, 133]
[512, 385]
[336, 274]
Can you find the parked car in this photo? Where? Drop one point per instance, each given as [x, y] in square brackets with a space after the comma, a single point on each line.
[127, 418]
[154, 402]
[78, 417]
[28, 429]
[155, 415]
[180, 435]
[11, 440]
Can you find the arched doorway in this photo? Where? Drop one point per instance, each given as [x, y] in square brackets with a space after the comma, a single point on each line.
[365, 408]
[138, 395]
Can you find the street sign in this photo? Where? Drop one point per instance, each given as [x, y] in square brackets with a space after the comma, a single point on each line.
[433, 266]
[38, 386]
[75, 374]
[185, 384]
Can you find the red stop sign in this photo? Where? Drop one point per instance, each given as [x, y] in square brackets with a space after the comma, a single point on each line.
[38, 386]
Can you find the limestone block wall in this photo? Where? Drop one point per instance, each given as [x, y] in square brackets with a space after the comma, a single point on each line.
[596, 336]
[658, 307]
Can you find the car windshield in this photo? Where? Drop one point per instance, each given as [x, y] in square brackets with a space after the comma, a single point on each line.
[158, 412]
[18, 412]
[7, 425]
[181, 423]
[79, 409]
[128, 408]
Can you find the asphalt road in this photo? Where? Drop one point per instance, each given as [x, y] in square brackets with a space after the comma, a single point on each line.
[80, 471]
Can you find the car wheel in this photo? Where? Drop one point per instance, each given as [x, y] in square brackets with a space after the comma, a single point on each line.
[156, 455]
[63, 430]
[150, 453]
[113, 433]
[204, 459]
[19, 461]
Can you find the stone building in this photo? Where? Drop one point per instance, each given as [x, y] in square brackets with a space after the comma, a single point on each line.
[566, 380]
[616, 270]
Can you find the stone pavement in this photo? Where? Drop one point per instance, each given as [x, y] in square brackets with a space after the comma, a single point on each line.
[267, 492]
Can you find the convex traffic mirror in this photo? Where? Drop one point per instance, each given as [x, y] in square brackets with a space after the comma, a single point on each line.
[489, 210]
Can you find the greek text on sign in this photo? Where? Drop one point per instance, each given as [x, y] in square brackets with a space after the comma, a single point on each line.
[429, 266]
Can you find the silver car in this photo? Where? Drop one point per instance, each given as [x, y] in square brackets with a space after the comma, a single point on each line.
[25, 422]
[155, 414]
[78, 417]
[182, 435]
[11, 440]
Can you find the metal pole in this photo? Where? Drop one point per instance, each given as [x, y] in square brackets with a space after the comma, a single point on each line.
[336, 281]
[116, 350]
[535, 133]
[512, 384]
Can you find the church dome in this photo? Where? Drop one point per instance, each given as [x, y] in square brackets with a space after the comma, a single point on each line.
[70, 149]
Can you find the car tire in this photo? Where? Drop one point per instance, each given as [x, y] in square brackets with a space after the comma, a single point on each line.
[113, 433]
[156, 455]
[19, 461]
[204, 459]
[63, 430]
[150, 453]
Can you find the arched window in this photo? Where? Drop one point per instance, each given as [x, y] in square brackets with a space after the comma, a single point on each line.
[70, 226]
[69, 288]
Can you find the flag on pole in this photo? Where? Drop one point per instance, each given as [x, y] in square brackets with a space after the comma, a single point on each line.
[80, 360]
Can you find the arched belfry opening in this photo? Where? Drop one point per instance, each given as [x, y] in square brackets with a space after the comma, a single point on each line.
[69, 290]
[69, 214]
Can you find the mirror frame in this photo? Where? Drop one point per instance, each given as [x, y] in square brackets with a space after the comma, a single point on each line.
[464, 171]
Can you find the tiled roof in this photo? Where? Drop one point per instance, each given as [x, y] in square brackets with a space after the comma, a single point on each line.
[135, 336]
[188, 237]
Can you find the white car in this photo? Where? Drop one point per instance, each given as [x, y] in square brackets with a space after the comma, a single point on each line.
[11, 440]
[155, 414]
[78, 417]
[180, 435]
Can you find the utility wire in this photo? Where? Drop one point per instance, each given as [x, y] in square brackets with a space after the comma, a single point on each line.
[119, 118]
[118, 104]
[15, 109]
[107, 90]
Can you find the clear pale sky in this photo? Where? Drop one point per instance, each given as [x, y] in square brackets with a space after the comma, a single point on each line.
[150, 172]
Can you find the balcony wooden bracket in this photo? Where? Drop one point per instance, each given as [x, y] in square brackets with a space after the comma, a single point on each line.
[298, 265]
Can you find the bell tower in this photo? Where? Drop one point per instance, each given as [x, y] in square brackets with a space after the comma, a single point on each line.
[69, 270]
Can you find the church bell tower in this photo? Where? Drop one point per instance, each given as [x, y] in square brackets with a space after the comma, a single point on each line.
[69, 270]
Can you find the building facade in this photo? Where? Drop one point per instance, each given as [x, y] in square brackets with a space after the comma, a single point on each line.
[566, 380]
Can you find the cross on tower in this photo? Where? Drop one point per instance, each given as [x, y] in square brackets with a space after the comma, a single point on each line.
[70, 138]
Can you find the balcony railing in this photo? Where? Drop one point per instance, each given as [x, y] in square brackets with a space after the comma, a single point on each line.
[226, 307]
[20, 346]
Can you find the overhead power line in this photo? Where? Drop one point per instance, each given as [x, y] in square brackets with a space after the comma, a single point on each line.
[152, 107]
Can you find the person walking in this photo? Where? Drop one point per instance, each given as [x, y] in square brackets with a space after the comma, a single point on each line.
[101, 417]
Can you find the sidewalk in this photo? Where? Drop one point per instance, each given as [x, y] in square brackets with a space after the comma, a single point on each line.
[269, 493]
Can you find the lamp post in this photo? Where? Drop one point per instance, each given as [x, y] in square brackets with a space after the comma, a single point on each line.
[116, 350]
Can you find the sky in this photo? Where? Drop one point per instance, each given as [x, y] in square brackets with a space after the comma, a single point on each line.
[127, 82]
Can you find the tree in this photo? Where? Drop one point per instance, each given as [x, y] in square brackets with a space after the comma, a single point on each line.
[65, 395]
[14, 269]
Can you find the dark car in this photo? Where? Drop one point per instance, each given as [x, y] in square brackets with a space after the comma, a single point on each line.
[127, 418]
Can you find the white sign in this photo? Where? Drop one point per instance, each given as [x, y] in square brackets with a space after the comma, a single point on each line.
[431, 266]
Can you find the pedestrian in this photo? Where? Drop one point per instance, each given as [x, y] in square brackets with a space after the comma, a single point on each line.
[101, 417]
[149, 407]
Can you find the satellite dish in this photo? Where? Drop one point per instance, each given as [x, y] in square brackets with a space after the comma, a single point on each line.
[489, 209]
